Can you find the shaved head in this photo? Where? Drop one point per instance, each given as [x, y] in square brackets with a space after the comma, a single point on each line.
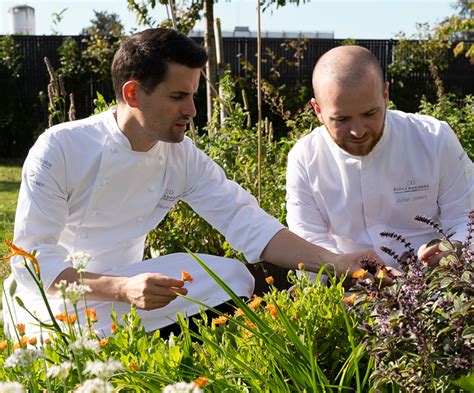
[347, 67]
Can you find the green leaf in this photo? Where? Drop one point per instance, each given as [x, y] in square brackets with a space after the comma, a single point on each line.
[445, 246]
[466, 382]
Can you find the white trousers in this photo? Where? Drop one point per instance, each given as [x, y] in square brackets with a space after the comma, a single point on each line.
[203, 288]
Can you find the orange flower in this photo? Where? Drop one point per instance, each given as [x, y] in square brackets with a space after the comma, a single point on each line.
[3, 345]
[32, 341]
[113, 327]
[248, 333]
[21, 343]
[350, 299]
[103, 342]
[185, 276]
[251, 325]
[361, 273]
[238, 313]
[272, 310]
[301, 266]
[66, 318]
[255, 303]
[133, 366]
[269, 280]
[47, 340]
[201, 382]
[18, 251]
[21, 328]
[296, 314]
[91, 314]
[220, 320]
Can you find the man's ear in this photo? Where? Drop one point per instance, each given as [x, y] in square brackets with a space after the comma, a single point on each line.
[317, 109]
[129, 93]
[386, 93]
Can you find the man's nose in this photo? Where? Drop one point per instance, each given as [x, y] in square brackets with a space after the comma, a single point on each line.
[357, 128]
[189, 108]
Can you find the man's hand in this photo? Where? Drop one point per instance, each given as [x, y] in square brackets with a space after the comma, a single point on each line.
[431, 254]
[368, 260]
[149, 291]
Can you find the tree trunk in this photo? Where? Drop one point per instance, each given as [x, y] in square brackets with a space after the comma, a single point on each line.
[211, 66]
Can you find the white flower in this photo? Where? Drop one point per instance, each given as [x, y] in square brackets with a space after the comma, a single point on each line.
[95, 385]
[182, 387]
[79, 260]
[61, 371]
[61, 287]
[84, 344]
[75, 292]
[103, 370]
[11, 387]
[23, 358]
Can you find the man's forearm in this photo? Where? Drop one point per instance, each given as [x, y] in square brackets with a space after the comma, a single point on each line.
[104, 287]
[287, 249]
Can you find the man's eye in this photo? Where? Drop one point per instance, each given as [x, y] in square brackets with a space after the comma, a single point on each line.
[370, 114]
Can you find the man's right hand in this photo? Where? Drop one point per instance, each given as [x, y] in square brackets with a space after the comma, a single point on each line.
[150, 291]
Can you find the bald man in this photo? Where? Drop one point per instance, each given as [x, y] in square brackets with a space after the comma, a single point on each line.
[368, 169]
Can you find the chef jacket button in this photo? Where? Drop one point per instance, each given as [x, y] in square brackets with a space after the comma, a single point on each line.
[140, 219]
[84, 235]
[105, 182]
[151, 188]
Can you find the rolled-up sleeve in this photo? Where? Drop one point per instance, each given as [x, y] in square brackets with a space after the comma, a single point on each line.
[227, 206]
[303, 215]
[41, 212]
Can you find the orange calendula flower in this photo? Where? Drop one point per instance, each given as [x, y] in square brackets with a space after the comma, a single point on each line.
[91, 314]
[133, 366]
[185, 276]
[32, 341]
[18, 251]
[350, 299]
[47, 340]
[21, 343]
[361, 273]
[301, 266]
[3, 345]
[66, 318]
[255, 303]
[103, 342]
[220, 320]
[201, 382]
[296, 314]
[272, 310]
[238, 313]
[269, 280]
[113, 327]
[21, 328]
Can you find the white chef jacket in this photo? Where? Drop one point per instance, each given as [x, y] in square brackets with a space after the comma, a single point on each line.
[342, 202]
[84, 189]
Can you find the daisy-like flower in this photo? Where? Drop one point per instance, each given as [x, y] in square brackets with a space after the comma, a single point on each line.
[182, 387]
[69, 319]
[185, 276]
[238, 313]
[79, 260]
[91, 314]
[255, 303]
[95, 385]
[32, 341]
[11, 387]
[60, 371]
[3, 345]
[103, 370]
[84, 344]
[301, 266]
[23, 358]
[269, 280]
[113, 328]
[75, 292]
[350, 299]
[103, 342]
[133, 366]
[220, 320]
[201, 381]
[61, 287]
[21, 328]
[271, 308]
[361, 273]
[21, 343]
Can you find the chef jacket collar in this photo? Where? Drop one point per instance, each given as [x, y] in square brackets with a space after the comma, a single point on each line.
[119, 137]
[382, 141]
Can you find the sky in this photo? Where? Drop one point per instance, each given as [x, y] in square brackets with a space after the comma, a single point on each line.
[372, 19]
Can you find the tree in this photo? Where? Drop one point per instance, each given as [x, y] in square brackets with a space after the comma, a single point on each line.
[104, 24]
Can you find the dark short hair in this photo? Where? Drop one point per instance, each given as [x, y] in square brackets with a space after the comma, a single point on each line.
[144, 56]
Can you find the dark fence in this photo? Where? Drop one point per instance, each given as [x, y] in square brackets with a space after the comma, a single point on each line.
[19, 131]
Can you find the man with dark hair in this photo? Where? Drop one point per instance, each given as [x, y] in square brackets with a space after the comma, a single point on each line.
[99, 185]
[368, 169]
